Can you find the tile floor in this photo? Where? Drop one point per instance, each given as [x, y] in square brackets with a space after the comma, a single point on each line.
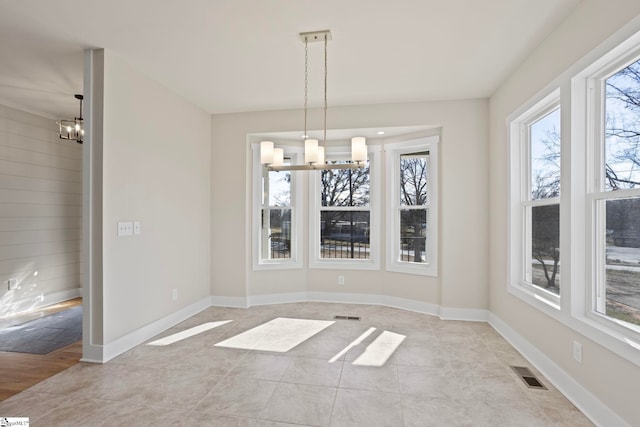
[411, 370]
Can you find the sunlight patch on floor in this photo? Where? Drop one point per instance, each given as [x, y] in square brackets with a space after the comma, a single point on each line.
[380, 350]
[354, 343]
[278, 335]
[179, 336]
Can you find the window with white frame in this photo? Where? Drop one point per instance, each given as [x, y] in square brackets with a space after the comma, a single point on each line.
[344, 229]
[598, 207]
[412, 206]
[535, 198]
[614, 196]
[276, 219]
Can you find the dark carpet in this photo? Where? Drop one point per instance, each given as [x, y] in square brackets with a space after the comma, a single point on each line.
[44, 335]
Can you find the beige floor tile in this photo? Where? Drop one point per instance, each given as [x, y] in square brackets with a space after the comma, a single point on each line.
[373, 378]
[76, 380]
[312, 371]
[428, 355]
[322, 348]
[425, 411]
[566, 417]
[300, 404]
[265, 423]
[156, 356]
[489, 367]
[245, 397]
[206, 419]
[428, 382]
[121, 383]
[490, 413]
[434, 372]
[209, 360]
[366, 408]
[203, 419]
[261, 366]
[505, 389]
[30, 404]
[146, 416]
[173, 388]
[80, 412]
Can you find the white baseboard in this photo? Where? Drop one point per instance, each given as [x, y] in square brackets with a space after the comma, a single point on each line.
[267, 299]
[344, 297]
[127, 342]
[591, 406]
[466, 314]
[445, 313]
[220, 301]
[411, 305]
[476, 315]
[92, 353]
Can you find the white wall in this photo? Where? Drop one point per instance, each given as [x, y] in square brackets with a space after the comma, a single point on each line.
[156, 170]
[40, 212]
[608, 377]
[463, 272]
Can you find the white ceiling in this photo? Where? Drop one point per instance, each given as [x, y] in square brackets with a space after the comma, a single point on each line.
[246, 55]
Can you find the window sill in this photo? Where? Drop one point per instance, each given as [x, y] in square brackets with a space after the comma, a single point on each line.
[344, 264]
[277, 265]
[420, 270]
[537, 299]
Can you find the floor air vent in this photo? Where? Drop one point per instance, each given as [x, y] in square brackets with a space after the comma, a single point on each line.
[528, 377]
[346, 317]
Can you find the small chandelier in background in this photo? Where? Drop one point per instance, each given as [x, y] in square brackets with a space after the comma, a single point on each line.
[314, 158]
[72, 129]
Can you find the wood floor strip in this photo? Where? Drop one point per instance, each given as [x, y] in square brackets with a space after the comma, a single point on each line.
[19, 371]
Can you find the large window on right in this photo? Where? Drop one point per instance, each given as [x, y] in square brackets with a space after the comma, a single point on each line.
[574, 198]
[614, 196]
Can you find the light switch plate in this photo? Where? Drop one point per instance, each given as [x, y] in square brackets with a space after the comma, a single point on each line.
[136, 228]
[12, 284]
[125, 229]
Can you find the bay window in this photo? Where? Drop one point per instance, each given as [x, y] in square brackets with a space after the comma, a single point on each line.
[276, 217]
[343, 205]
[412, 206]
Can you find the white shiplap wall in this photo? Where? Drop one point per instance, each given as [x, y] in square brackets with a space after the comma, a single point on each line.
[40, 212]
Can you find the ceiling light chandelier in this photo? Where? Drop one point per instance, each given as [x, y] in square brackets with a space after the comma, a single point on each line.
[314, 155]
[72, 129]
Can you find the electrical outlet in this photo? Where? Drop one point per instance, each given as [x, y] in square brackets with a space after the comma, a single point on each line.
[12, 284]
[340, 280]
[125, 229]
[174, 294]
[136, 228]
[577, 351]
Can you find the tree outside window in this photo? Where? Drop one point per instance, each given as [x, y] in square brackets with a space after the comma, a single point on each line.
[620, 222]
[345, 218]
[412, 195]
[542, 210]
[276, 229]
[413, 206]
